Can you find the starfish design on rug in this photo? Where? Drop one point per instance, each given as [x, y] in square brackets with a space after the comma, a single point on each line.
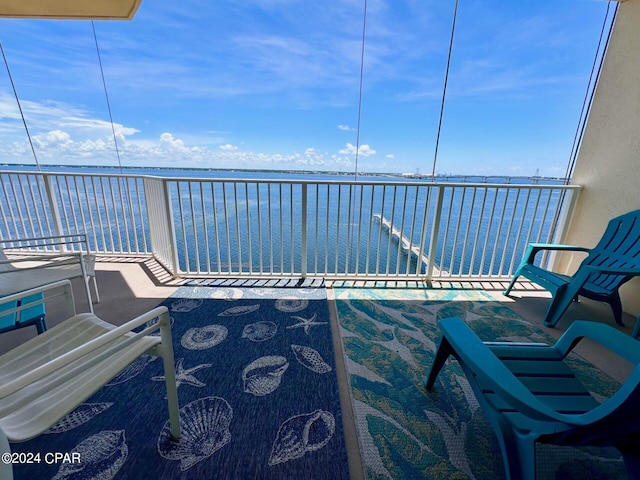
[306, 323]
[185, 375]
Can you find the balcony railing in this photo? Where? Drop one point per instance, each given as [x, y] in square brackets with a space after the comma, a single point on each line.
[404, 230]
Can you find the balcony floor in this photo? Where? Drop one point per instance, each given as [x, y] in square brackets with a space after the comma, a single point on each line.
[131, 286]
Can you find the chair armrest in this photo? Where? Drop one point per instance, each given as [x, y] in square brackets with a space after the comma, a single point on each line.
[91, 346]
[48, 241]
[67, 292]
[614, 340]
[476, 358]
[53, 261]
[534, 248]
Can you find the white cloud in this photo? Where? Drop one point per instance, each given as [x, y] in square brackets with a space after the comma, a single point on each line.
[363, 150]
[345, 128]
[228, 147]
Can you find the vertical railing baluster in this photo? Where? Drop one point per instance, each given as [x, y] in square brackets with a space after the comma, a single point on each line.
[359, 237]
[467, 230]
[435, 232]
[237, 216]
[291, 232]
[411, 246]
[249, 237]
[369, 234]
[183, 228]
[423, 234]
[194, 227]
[401, 234]
[259, 219]
[303, 247]
[500, 223]
[216, 232]
[509, 229]
[447, 229]
[225, 205]
[338, 228]
[326, 232]
[380, 228]
[488, 234]
[17, 206]
[205, 227]
[316, 241]
[270, 232]
[32, 232]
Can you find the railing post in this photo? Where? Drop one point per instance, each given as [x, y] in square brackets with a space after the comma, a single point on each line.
[160, 218]
[303, 249]
[53, 205]
[562, 221]
[435, 230]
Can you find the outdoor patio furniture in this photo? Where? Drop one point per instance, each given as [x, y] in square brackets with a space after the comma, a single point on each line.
[41, 260]
[47, 377]
[530, 395]
[611, 263]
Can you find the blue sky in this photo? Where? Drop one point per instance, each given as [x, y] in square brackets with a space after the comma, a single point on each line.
[274, 84]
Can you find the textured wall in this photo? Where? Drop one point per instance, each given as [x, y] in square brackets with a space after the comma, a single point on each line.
[608, 164]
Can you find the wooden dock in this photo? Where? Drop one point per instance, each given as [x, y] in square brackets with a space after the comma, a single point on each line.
[406, 245]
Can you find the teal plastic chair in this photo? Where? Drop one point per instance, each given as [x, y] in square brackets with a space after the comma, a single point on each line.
[32, 315]
[612, 262]
[531, 396]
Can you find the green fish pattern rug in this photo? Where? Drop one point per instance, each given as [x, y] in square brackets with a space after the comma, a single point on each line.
[389, 340]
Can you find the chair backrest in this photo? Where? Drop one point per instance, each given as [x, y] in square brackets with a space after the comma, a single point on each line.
[618, 247]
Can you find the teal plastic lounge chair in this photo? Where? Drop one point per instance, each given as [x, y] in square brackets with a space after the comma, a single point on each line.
[612, 262]
[531, 396]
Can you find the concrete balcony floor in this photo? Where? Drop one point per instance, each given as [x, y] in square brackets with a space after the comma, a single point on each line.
[130, 286]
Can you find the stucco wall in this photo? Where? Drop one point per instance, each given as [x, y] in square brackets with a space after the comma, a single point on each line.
[608, 164]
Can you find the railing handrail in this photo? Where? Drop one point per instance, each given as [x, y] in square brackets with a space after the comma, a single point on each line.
[365, 179]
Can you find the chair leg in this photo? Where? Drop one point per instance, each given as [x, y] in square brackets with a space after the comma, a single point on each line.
[636, 330]
[6, 469]
[41, 325]
[616, 307]
[560, 301]
[631, 458]
[170, 374]
[95, 287]
[511, 284]
[442, 353]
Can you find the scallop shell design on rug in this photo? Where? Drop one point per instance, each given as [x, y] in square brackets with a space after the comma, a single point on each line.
[240, 310]
[101, 457]
[204, 337]
[185, 305]
[291, 304]
[81, 415]
[259, 331]
[311, 359]
[262, 376]
[302, 434]
[132, 370]
[204, 425]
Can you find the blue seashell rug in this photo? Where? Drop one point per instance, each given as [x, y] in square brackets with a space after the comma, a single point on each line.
[258, 397]
[389, 339]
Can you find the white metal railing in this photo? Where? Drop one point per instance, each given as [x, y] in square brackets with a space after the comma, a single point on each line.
[334, 229]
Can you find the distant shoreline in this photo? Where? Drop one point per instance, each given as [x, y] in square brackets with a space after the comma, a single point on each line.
[289, 172]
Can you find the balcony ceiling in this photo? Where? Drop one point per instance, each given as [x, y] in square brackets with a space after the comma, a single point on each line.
[72, 9]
